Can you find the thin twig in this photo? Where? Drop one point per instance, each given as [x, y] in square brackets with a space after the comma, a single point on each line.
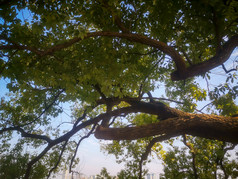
[163, 99]
[47, 108]
[75, 152]
[191, 149]
[58, 161]
[205, 106]
[148, 150]
[142, 54]
[228, 71]
[64, 123]
[80, 118]
[113, 120]
[152, 68]
[207, 84]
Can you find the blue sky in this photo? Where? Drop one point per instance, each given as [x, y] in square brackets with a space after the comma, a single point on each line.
[3, 88]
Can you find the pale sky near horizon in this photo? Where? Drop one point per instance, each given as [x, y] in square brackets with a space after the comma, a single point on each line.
[93, 160]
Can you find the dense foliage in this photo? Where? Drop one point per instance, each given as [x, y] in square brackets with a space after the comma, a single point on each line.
[186, 157]
[130, 70]
[205, 159]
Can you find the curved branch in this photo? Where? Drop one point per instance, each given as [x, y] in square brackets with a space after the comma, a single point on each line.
[145, 155]
[228, 71]
[136, 106]
[75, 152]
[220, 159]
[26, 134]
[58, 161]
[191, 149]
[221, 56]
[178, 59]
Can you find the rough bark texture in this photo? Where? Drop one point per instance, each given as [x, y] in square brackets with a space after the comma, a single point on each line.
[201, 125]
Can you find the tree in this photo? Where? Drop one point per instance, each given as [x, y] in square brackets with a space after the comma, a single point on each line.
[205, 159]
[104, 174]
[106, 58]
[192, 157]
[130, 153]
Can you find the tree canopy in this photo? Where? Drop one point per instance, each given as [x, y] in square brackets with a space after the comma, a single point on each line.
[130, 70]
[185, 157]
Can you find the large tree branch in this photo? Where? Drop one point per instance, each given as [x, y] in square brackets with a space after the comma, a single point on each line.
[75, 129]
[177, 123]
[201, 125]
[178, 59]
[66, 136]
[181, 72]
[136, 106]
[221, 56]
[17, 46]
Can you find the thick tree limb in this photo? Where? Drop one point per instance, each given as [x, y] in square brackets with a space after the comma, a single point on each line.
[176, 123]
[201, 125]
[221, 56]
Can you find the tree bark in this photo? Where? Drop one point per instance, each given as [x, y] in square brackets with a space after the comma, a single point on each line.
[201, 125]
